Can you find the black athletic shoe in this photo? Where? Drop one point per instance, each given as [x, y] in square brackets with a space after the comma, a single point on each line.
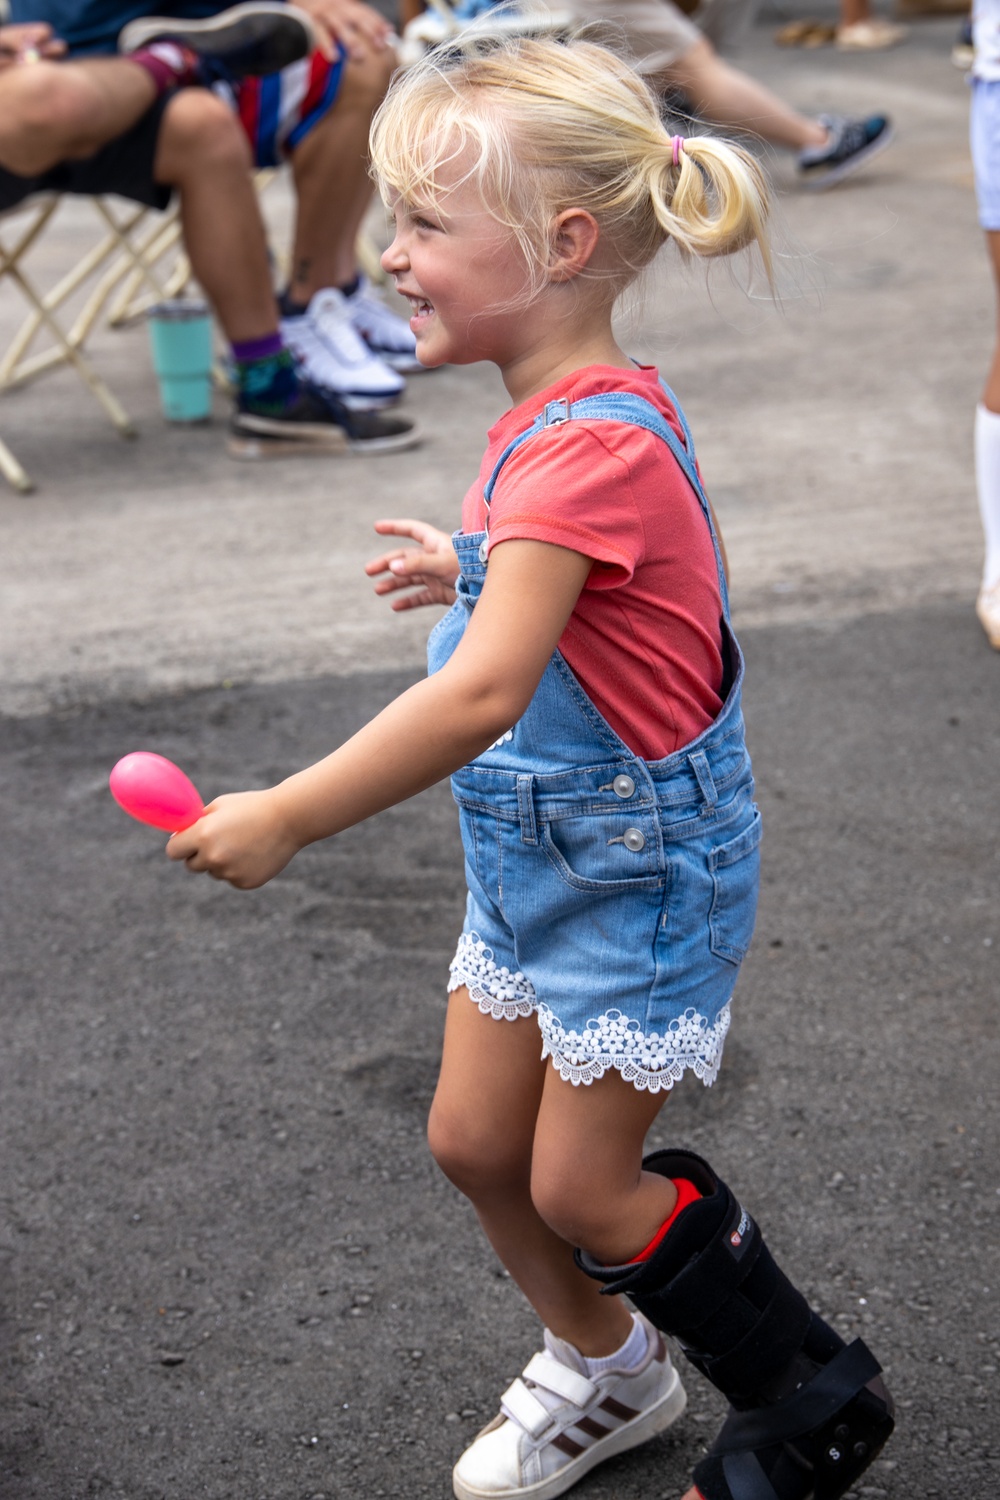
[851, 144]
[248, 41]
[314, 422]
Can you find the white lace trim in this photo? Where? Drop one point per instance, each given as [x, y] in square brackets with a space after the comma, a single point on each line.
[497, 992]
[652, 1061]
[655, 1061]
[507, 735]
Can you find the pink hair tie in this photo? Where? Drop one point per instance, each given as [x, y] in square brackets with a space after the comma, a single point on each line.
[678, 146]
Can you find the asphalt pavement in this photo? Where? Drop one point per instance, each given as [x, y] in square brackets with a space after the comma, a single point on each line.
[228, 1267]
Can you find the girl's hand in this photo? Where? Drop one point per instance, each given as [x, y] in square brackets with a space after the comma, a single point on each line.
[243, 838]
[428, 570]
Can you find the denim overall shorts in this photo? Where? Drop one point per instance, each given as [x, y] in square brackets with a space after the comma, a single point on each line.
[612, 897]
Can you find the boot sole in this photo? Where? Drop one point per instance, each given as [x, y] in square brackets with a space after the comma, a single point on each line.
[666, 1411]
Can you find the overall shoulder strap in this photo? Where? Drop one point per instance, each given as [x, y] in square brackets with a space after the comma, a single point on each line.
[611, 406]
[620, 406]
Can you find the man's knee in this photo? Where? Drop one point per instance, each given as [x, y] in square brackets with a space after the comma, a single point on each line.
[364, 80]
[45, 115]
[200, 134]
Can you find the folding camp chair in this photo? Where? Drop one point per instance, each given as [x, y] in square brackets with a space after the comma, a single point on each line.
[127, 244]
[119, 277]
[137, 260]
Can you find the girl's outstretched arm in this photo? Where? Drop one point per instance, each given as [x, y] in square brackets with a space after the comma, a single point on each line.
[425, 734]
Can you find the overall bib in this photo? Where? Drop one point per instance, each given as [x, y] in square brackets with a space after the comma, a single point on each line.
[611, 896]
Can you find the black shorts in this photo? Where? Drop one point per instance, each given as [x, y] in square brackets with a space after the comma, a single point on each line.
[124, 166]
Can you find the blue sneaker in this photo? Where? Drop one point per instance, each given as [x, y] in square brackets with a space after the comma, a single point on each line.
[312, 421]
[851, 144]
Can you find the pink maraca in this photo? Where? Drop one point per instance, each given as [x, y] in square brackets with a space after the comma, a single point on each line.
[151, 788]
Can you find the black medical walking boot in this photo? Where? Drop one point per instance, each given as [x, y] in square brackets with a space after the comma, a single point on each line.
[808, 1413]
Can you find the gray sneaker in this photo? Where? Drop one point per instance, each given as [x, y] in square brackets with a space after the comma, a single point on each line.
[248, 41]
[851, 144]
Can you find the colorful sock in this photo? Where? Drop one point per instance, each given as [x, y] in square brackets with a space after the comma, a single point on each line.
[270, 383]
[629, 1357]
[249, 349]
[170, 65]
[686, 1193]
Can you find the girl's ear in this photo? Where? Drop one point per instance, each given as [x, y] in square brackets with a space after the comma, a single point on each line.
[573, 241]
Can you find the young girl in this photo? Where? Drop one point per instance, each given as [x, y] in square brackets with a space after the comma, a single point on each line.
[585, 696]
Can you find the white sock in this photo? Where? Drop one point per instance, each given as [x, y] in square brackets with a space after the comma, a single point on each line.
[988, 487]
[631, 1354]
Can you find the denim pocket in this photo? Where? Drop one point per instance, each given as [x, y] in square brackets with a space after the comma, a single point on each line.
[591, 854]
[735, 868]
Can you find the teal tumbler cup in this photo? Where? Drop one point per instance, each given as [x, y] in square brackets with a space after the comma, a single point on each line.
[180, 333]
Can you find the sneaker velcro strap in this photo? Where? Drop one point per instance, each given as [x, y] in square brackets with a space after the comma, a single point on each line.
[524, 1408]
[560, 1379]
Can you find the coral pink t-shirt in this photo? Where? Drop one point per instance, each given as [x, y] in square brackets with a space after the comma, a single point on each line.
[645, 638]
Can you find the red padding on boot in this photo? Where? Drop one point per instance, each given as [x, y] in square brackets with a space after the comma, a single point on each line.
[687, 1193]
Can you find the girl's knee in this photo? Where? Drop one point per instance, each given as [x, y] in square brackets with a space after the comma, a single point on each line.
[575, 1206]
[478, 1161]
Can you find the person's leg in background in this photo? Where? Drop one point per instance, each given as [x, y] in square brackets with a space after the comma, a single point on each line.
[203, 152]
[861, 31]
[985, 140]
[52, 112]
[677, 59]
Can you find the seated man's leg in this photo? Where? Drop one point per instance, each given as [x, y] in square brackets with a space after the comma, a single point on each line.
[203, 152]
[52, 112]
[204, 155]
[347, 337]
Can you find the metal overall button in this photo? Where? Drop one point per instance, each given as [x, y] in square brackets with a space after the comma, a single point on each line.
[633, 839]
[484, 548]
[623, 786]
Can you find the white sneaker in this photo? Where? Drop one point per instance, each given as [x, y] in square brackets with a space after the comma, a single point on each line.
[386, 334]
[556, 1422]
[988, 610]
[333, 355]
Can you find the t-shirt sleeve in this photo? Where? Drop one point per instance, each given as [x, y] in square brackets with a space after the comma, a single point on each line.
[572, 486]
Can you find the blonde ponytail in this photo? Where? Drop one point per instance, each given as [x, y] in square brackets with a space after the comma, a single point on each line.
[710, 196]
[541, 126]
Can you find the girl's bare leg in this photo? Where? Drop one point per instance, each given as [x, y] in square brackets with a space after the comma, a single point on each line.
[546, 1166]
[482, 1133]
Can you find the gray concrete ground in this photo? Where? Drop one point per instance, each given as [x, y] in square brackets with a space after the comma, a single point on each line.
[227, 1266]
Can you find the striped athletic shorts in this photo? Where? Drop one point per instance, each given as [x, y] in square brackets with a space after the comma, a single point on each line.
[278, 112]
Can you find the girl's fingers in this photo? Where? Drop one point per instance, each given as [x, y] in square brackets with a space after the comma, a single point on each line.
[405, 527]
[381, 564]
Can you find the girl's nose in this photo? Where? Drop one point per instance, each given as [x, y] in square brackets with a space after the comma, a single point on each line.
[393, 259]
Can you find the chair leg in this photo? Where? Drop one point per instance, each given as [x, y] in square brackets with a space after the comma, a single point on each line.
[87, 373]
[12, 471]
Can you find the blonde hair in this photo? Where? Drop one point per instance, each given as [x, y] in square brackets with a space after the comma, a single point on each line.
[540, 126]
